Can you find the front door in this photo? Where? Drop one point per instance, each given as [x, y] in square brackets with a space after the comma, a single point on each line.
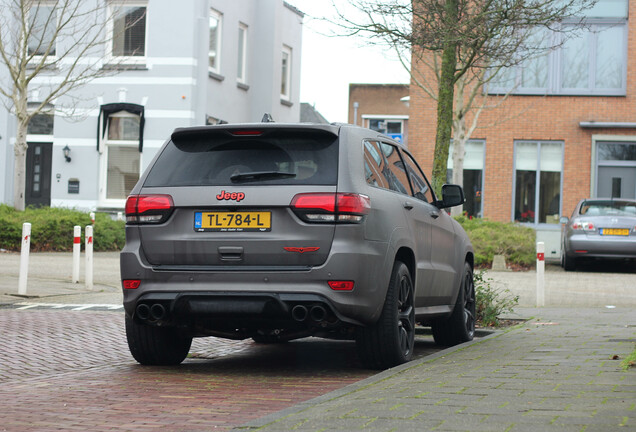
[616, 182]
[38, 174]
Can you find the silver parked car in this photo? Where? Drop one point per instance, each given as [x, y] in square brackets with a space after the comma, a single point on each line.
[599, 228]
[282, 231]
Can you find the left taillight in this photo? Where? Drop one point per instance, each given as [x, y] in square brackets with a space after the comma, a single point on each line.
[148, 209]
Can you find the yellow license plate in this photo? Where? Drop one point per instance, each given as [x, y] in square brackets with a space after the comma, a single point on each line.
[615, 231]
[232, 221]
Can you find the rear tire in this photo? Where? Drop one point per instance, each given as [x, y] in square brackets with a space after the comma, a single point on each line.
[568, 262]
[157, 346]
[460, 326]
[390, 341]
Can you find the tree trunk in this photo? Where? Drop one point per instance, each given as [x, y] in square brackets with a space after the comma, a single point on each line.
[459, 141]
[445, 104]
[19, 166]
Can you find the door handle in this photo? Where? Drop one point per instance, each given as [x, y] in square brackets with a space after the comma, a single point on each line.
[407, 205]
[434, 215]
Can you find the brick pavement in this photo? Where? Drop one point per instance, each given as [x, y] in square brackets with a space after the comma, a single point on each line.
[71, 370]
[555, 373]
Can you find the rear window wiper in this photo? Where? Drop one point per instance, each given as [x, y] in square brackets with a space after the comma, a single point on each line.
[260, 175]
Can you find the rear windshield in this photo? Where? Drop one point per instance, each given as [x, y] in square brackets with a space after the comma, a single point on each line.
[608, 208]
[218, 159]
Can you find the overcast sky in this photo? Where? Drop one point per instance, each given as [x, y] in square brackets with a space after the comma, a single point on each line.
[329, 64]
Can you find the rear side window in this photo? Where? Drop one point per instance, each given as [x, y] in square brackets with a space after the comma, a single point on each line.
[384, 168]
[219, 159]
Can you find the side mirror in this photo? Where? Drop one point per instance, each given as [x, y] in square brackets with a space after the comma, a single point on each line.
[452, 195]
[564, 219]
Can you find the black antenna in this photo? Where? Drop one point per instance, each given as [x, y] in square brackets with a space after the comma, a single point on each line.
[267, 118]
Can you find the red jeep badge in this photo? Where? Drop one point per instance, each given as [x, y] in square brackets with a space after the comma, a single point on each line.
[235, 196]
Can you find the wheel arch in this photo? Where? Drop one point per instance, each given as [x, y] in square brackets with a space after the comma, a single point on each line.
[470, 259]
[406, 255]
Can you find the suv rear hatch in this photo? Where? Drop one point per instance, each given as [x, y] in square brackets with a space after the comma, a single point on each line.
[221, 198]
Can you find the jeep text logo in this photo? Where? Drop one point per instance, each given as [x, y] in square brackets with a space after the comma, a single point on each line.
[236, 196]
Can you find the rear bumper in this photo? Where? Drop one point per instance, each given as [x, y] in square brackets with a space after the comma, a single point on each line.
[257, 293]
[601, 247]
[236, 315]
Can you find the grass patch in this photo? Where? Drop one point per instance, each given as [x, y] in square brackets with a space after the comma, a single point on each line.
[629, 361]
[491, 303]
[515, 242]
[52, 229]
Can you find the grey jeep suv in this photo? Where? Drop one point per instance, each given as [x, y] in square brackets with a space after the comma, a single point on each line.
[282, 231]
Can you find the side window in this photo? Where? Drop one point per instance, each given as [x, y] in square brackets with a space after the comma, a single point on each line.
[374, 165]
[396, 174]
[421, 188]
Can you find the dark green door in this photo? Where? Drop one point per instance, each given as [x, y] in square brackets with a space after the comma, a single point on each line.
[38, 180]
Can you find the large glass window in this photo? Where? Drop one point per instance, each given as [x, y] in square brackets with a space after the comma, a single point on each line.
[538, 167]
[589, 59]
[122, 154]
[215, 41]
[128, 29]
[242, 53]
[42, 27]
[473, 175]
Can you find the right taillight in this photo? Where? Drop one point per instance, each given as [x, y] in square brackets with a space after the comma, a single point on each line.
[331, 207]
[148, 209]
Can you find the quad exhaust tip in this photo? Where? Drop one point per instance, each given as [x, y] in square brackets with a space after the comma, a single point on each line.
[156, 312]
[299, 313]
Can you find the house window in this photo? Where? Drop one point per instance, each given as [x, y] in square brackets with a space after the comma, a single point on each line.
[590, 58]
[242, 53]
[390, 127]
[42, 27]
[128, 27]
[215, 41]
[538, 167]
[41, 124]
[473, 175]
[285, 80]
[122, 154]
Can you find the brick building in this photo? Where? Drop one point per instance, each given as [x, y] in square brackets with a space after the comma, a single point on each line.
[567, 130]
[380, 107]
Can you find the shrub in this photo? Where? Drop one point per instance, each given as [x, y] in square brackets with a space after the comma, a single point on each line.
[514, 241]
[52, 229]
[491, 303]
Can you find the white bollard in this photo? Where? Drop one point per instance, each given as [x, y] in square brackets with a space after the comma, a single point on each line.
[88, 251]
[77, 247]
[540, 274]
[24, 258]
[92, 215]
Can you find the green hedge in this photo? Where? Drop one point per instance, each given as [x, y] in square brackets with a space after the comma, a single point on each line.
[52, 229]
[515, 242]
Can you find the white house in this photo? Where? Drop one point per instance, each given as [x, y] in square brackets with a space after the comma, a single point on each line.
[178, 64]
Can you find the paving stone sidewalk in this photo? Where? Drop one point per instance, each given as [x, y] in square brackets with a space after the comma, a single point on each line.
[554, 373]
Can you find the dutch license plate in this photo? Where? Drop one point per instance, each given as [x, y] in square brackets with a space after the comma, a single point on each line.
[232, 221]
[614, 231]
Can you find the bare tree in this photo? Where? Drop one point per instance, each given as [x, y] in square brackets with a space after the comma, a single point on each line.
[49, 49]
[467, 40]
